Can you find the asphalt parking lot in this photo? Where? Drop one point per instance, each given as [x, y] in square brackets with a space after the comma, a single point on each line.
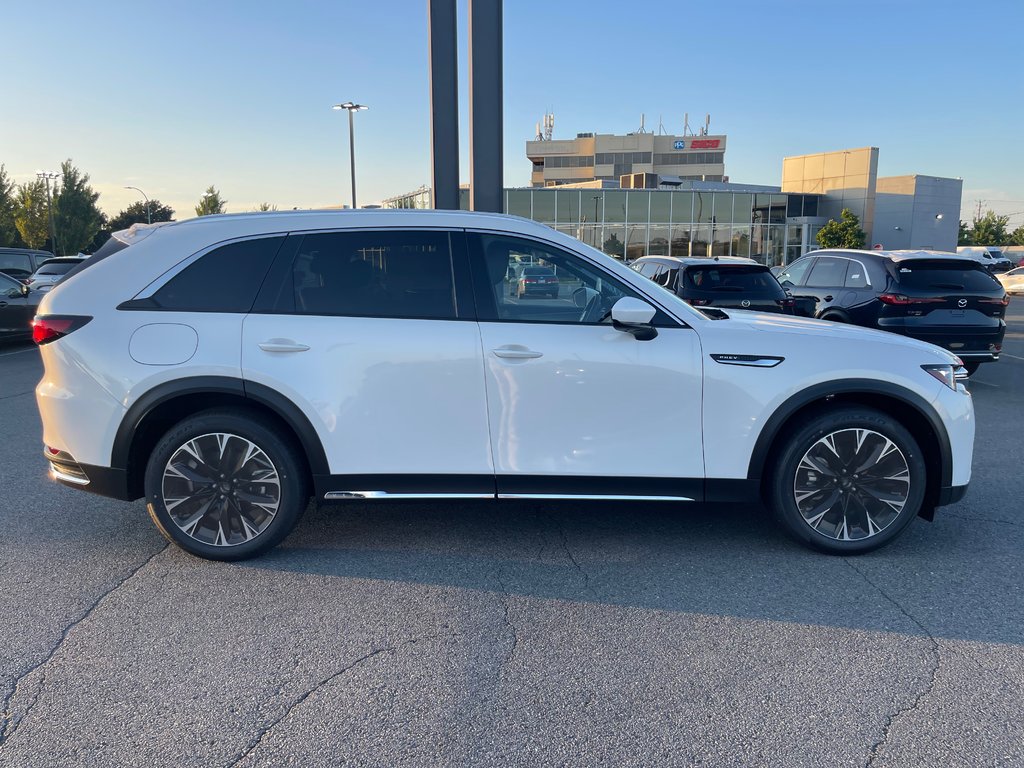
[512, 634]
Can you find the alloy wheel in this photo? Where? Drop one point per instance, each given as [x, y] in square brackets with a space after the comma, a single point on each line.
[221, 489]
[851, 484]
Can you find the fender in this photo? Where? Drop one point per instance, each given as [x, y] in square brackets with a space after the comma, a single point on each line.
[284, 408]
[759, 456]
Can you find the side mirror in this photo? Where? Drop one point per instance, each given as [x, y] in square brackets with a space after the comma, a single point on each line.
[582, 297]
[634, 316]
[24, 290]
[787, 285]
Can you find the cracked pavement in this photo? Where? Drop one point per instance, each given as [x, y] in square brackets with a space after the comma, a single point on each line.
[512, 634]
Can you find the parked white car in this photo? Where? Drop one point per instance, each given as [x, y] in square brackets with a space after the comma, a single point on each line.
[1013, 281]
[52, 270]
[228, 367]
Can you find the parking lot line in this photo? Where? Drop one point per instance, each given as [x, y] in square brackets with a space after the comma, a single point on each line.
[1015, 357]
[30, 349]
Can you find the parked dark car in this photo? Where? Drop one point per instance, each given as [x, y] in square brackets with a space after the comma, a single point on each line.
[20, 263]
[17, 308]
[733, 283]
[944, 299]
[51, 271]
[535, 281]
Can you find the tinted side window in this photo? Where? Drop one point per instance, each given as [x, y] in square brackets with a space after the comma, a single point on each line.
[828, 273]
[17, 264]
[224, 280]
[796, 271]
[375, 273]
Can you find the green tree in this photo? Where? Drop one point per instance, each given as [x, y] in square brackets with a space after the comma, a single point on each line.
[265, 207]
[76, 216]
[8, 205]
[1017, 236]
[136, 213]
[964, 235]
[31, 213]
[845, 233]
[210, 203]
[990, 229]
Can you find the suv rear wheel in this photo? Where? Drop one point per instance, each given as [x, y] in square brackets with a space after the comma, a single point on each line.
[222, 485]
[847, 481]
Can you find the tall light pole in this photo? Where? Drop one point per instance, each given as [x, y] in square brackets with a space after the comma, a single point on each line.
[149, 218]
[49, 176]
[351, 107]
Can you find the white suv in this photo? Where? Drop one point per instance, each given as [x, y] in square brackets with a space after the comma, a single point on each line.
[228, 367]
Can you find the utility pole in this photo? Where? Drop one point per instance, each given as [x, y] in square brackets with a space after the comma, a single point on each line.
[49, 176]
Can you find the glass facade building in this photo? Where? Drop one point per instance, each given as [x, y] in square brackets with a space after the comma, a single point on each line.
[773, 228]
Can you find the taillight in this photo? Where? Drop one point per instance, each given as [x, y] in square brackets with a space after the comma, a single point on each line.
[901, 299]
[1005, 301]
[47, 328]
[529, 280]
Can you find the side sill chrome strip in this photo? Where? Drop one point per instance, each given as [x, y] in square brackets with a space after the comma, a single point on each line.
[591, 496]
[56, 474]
[755, 361]
[349, 495]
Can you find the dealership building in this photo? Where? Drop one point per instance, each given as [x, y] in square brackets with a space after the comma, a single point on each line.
[635, 195]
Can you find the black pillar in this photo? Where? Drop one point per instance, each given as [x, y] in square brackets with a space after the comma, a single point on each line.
[485, 97]
[444, 104]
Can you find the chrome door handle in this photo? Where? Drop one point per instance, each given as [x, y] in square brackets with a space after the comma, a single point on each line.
[282, 345]
[516, 353]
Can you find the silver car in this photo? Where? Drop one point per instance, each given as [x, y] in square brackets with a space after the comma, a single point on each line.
[52, 270]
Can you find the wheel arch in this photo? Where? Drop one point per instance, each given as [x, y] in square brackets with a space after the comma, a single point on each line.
[156, 411]
[903, 405]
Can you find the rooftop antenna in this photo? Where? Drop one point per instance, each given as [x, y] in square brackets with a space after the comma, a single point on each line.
[641, 129]
[549, 125]
[661, 126]
[686, 124]
[707, 124]
[539, 136]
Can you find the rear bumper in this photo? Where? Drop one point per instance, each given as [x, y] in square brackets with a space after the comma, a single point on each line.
[103, 481]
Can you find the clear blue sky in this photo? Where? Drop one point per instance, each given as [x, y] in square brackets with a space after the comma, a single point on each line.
[173, 97]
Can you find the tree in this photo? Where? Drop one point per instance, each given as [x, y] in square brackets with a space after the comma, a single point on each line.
[8, 204]
[990, 229]
[265, 207]
[613, 246]
[76, 216]
[136, 213]
[964, 235]
[31, 213]
[210, 203]
[845, 233]
[1017, 236]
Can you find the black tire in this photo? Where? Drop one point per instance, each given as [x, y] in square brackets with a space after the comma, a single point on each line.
[846, 515]
[235, 486]
[971, 368]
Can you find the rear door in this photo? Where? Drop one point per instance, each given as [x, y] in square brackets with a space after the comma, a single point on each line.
[15, 310]
[826, 282]
[369, 333]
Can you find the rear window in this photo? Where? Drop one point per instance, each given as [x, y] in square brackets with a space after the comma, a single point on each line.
[18, 264]
[537, 271]
[732, 279]
[60, 268]
[944, 276]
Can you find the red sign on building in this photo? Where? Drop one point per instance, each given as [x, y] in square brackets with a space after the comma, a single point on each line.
[705, 143]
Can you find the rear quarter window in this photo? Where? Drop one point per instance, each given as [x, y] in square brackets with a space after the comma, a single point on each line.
[226, 279]
[945, 276]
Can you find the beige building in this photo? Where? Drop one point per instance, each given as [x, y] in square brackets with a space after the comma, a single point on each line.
[591, 157]
[846, 178]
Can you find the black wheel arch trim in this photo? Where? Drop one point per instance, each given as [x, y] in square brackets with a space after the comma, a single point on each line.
[280, 405]
[760, 455]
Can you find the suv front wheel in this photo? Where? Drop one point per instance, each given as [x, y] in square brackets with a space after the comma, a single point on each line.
[222, 485]
[847, 481]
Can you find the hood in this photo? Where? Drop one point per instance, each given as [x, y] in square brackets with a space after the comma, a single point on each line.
[804, 326]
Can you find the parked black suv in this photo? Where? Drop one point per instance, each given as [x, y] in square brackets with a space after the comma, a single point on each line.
[19, 263]
[734, 283]
[950, 301]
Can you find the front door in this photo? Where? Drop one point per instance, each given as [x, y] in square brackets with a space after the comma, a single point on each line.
[577, 408]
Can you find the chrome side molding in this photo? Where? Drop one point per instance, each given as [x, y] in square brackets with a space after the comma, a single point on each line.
[385, 495]
[755, 361]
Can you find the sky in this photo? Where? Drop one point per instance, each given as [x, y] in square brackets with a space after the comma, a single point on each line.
[174, 97]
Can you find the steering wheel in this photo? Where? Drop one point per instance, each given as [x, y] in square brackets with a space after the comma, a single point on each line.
[596, 310]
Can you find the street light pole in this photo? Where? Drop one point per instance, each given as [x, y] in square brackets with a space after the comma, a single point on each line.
[149, 218]
[351, 107]
[49, 176]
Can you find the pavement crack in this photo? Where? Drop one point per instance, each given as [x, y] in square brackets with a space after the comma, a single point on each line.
[933, 672]
[975, 519]
[9, 722]
[572, 558]
[18, 394]
[257, 740]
